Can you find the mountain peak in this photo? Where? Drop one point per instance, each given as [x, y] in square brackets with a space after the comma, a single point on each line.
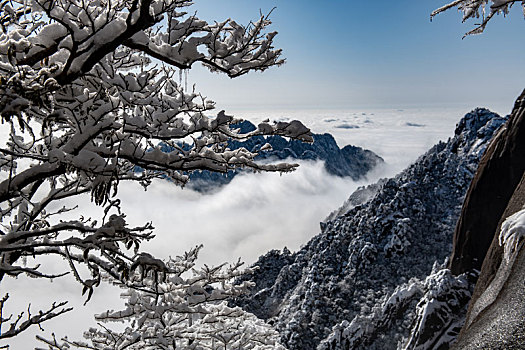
[391, 241]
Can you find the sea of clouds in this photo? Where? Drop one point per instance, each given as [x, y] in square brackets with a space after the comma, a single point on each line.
[256, 212]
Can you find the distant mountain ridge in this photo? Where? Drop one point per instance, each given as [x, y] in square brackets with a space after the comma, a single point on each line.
[351, 161]
[374, 277]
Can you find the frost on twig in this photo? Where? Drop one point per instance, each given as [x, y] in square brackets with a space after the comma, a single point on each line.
[484, 9]
[179, 307]
[88, 95]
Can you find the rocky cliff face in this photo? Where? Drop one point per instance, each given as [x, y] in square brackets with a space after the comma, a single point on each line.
[351, 161]
[500, 171]
[372, 278]
[496, 314]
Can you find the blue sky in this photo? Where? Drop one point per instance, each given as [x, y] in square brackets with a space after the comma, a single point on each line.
[345, 54]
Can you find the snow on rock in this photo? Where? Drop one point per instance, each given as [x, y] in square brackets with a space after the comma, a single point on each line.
[363, 279]
[512, 234]
[440, 311]
[437, 300]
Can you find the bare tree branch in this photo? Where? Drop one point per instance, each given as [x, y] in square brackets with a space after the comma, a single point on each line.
[20, 324]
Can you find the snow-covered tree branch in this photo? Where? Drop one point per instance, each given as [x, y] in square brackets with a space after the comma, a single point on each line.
[486, 9]
[89, 97]
[186, 310]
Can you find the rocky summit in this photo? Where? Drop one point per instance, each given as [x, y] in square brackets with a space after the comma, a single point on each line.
[375, 277]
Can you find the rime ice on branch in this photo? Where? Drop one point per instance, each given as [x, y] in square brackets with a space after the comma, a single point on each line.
[185, 308]
[478, 8]
[87, 93]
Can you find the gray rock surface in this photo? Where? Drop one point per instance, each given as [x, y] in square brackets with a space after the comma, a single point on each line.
[500, 171]
[496, 314]
[501, 325]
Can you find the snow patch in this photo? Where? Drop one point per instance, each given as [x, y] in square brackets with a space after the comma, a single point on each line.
[512, 234]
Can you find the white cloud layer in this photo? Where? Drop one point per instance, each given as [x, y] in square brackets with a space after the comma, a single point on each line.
[253, 214]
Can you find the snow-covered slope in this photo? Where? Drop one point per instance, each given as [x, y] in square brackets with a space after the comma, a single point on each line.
[372, 278]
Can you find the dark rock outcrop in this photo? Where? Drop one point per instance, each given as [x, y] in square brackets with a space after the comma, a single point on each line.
[351, 161]
[496, 314]
[371, 275]
[500, 171]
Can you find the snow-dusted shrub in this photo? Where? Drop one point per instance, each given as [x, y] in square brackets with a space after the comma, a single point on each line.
[432, 308]
[88, 93]
[185, 310]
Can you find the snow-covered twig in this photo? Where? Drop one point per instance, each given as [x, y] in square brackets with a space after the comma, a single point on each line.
[472, 9]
